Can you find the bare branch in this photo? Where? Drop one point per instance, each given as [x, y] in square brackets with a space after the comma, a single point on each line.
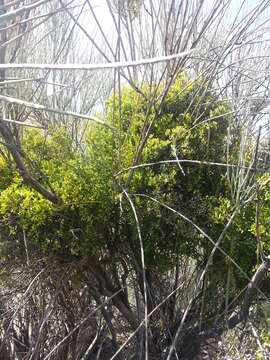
[44, 108]
[12, 14]
[22, 123]
[111, 65]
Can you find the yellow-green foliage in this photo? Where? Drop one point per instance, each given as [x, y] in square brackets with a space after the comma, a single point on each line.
[82, 189]
[240, 241]
[185, 124]
[89, 220]
[264, 214]
[6, 173]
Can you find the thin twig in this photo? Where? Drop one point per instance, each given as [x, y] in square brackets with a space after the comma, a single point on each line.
[143, 271]
[81, 323]
[186, 161]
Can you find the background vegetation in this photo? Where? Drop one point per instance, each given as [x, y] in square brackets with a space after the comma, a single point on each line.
[134, 186]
